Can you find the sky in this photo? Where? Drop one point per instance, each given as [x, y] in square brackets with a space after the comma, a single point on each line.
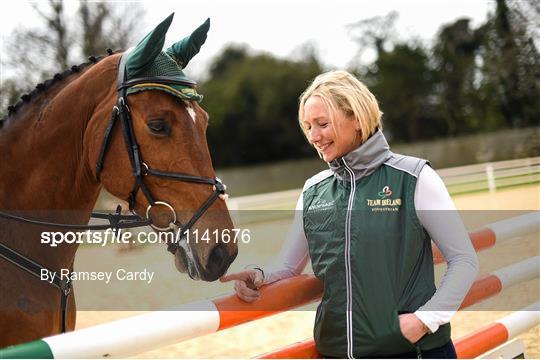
[281, 27]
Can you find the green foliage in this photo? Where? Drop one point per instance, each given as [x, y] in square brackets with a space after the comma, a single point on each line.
[511, 66]
[402, 82]
[471, 80]
[253, 102]
[456, 90]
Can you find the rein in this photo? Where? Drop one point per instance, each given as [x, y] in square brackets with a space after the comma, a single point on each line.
[116, 221]
[30, 266]
[139, 170]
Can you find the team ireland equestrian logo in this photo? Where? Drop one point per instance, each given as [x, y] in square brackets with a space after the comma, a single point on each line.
[386, 192]
[384, 202]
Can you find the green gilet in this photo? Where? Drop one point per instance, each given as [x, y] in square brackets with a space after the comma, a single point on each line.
[368, 247]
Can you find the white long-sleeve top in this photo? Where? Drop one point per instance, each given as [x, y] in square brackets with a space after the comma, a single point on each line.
[446, 230]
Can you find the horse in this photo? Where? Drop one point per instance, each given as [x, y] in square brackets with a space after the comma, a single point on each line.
[60, 145]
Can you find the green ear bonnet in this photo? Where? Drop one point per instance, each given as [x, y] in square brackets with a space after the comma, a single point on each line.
[147, 60]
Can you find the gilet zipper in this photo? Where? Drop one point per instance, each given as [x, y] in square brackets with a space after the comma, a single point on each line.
[347, 254]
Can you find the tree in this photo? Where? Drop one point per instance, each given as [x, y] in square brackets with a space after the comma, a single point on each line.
[511, 63]
[402, 82]
[230, 56]
[375, 33]
[456, 90]
[102, 25]
[106, 25]
[400, 78]
[29, 50]
[253, 103]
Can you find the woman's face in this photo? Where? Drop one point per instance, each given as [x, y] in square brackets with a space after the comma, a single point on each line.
[329, 141]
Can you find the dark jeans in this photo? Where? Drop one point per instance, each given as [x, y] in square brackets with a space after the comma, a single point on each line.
[444, 352]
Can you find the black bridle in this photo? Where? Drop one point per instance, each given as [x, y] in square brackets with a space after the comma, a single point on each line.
[140, 170]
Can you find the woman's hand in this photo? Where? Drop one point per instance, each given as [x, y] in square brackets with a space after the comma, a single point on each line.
[411, 327]
[246, 284]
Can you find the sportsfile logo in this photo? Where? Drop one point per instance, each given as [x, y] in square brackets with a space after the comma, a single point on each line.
[384, 203]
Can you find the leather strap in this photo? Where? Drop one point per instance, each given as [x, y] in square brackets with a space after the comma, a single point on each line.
[106, 142]
[219, 190]
[156, 79]
[34, 268]
[182, 177]
[116, 221]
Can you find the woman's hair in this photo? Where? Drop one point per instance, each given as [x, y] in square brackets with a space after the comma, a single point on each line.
[341, 90]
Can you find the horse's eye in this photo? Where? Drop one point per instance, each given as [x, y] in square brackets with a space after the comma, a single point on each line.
[159, 127]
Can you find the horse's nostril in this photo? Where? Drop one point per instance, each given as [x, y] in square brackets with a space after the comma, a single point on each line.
[218, 256]
[219, 260]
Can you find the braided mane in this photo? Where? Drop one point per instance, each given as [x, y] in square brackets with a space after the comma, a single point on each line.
[46, 85]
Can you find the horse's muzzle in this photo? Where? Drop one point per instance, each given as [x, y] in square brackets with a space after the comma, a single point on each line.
[188, 261]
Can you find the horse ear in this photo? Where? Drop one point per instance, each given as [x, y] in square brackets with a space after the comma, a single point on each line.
[189, 46]
[143, 55]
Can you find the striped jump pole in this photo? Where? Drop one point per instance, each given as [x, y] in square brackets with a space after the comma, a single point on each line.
[467, 347]
[145, 332]
[497, 333]
[483, 288]
[498, 232]
[493, 284]
[142, 333]
[160, 328]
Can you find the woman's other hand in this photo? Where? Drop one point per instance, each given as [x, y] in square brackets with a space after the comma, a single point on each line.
[411, 327]
[246, 283]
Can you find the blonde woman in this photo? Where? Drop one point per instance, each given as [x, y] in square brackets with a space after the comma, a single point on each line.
[366, 224]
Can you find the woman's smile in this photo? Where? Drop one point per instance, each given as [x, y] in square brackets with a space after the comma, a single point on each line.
[332, 137]
[323, 147]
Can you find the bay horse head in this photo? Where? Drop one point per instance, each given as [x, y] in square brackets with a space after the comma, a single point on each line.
[60, 145]
[158, 158]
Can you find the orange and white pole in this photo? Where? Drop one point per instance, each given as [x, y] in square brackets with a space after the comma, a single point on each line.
[497, 333]
[145, 332]
[280, 296]
[494, 283]
[498, 232]
[470, 346]
[482, 289]
[149, 331]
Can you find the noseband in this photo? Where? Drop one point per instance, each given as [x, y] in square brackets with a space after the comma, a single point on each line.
[140, 169]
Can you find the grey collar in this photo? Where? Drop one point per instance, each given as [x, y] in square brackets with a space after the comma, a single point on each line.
[365, 159]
